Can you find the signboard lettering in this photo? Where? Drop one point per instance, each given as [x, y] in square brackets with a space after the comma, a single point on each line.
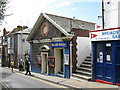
[59, 44]
[105, 35]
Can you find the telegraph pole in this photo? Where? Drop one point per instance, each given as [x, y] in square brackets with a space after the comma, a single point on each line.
[103, 10]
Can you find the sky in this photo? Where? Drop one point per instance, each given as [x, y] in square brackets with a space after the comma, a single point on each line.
[26, 12]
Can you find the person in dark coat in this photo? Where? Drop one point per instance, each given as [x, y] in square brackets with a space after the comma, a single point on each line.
[27, 67]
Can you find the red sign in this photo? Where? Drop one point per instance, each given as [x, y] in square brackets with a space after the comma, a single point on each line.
[93, 35]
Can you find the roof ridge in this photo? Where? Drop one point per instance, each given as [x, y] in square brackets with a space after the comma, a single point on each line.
[68, 18]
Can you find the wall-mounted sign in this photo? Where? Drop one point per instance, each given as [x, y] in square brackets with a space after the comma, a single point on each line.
[66, 59]
[102, 35]
[59, 44]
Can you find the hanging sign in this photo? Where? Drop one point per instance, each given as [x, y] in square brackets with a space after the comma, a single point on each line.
[111, 34]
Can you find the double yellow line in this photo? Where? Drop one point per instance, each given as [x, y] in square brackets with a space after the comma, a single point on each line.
[4, 85]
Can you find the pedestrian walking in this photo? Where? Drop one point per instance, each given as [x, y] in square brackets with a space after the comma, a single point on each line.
[12, 65]
[27, 67]
[20, 65]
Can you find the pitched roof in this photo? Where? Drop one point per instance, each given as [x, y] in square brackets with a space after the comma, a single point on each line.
[63, 24]
[68, 23]
[27, 31]
[19, 30]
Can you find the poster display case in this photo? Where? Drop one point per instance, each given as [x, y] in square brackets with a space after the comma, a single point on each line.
[38, 59]
[51, 61]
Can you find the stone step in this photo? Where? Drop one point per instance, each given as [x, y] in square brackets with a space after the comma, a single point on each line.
[84, 72]
[78, 79]
[89, 56]
[59, 75]
[82, 76]
[87, 62]
[85, 69]
[88, 59]
[85, 65]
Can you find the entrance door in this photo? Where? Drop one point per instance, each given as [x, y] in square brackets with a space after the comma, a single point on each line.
[104, 62]
[62, 65]
[44, 62]
[58, 60]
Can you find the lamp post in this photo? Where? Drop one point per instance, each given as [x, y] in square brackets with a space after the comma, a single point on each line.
[22, 43]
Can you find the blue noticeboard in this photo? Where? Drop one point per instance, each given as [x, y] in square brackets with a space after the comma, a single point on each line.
[59, 44]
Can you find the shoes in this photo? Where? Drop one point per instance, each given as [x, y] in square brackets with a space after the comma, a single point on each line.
[25, 74]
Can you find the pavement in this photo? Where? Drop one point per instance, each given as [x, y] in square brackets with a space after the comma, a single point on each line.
[72, 82]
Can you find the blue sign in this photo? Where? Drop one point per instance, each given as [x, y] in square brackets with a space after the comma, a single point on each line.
[59, 44]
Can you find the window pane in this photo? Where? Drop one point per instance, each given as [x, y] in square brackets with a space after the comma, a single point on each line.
[108, 53]
[99, 53]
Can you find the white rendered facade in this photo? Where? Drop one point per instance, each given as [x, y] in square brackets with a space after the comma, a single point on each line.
[111, 13]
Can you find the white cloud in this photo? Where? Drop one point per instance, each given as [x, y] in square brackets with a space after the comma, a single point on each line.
[71, 1]
[65, 3]
[26, 12]
[74, 8]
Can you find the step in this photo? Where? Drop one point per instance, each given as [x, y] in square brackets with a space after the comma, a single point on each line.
[85, 68]
[88, 59]
[60, 75]
[87, 62]
[89, 56]
[85, 65]
[81, 76]
[83, 72]
[78, 79]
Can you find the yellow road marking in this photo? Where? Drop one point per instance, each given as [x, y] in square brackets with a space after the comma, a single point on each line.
[50, 83]
[4, 85]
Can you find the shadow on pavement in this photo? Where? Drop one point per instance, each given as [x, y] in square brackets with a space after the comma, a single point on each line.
[4, 74]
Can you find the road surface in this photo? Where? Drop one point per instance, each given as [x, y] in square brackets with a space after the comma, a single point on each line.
[18, 80]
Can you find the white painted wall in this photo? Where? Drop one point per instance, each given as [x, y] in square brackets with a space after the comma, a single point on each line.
[112, 13]
[83, 49]
[26, 46]
[119, 14]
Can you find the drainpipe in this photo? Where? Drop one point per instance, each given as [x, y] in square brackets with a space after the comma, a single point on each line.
[71, 58]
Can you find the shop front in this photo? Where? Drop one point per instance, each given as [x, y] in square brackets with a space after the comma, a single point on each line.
[53, 60]
[49, 48]
[106, 56]
[62, 57]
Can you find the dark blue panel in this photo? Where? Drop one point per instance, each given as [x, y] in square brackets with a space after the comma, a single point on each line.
[66, 51]
[114, 62]
[66, 71]
[118, 74]
[37, 70]
[99, 71]
[108, 74]
[31, 55]
[93, 60]
[118, 55]
[118, 64]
